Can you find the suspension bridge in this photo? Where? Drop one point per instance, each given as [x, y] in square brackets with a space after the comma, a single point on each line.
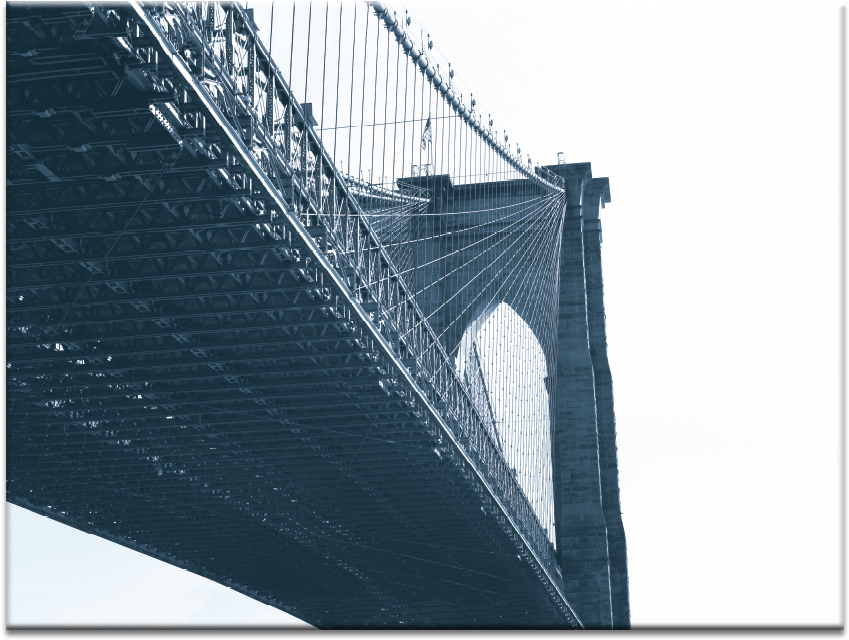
[314, 329]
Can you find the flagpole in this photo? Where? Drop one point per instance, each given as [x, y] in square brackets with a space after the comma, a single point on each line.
[429, 143]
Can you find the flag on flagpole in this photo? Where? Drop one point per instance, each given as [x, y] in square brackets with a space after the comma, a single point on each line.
[426, 135]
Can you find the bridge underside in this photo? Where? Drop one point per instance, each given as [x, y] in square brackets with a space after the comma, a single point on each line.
[181, 380]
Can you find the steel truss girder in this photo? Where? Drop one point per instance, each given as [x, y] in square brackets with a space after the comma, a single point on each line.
[299, 390]
[162, 377]
[83, 179]
[307, 388]
[101, 234]
[240, 397]
[150, 297]
[151, 417]
[130, 204]
[308, 341]
[135, 276]
[245, 315]
[451, 507]
[255, 326]
[168, 314]
[279, 359]
[450, 490]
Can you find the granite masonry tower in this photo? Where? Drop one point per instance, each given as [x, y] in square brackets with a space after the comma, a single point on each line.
[590, 535]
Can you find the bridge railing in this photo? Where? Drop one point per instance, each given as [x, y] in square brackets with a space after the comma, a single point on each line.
[219, 45]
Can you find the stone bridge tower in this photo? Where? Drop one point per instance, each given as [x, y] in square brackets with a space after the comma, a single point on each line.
[590, 535]
[590, 538]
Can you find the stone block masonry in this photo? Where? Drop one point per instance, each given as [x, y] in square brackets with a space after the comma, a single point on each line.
[590, 535]
[596, 193]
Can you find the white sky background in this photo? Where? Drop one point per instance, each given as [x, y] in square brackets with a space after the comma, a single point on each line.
[718, 126]
[513, 370]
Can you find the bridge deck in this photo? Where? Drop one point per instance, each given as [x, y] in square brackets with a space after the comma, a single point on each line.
[182, 380]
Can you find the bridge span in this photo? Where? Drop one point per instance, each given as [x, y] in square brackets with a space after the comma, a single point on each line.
[227, 353]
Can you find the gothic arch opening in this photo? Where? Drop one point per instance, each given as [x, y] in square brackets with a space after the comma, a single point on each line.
[503, 363]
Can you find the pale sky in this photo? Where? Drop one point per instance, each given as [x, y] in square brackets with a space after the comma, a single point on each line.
[718, 125]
